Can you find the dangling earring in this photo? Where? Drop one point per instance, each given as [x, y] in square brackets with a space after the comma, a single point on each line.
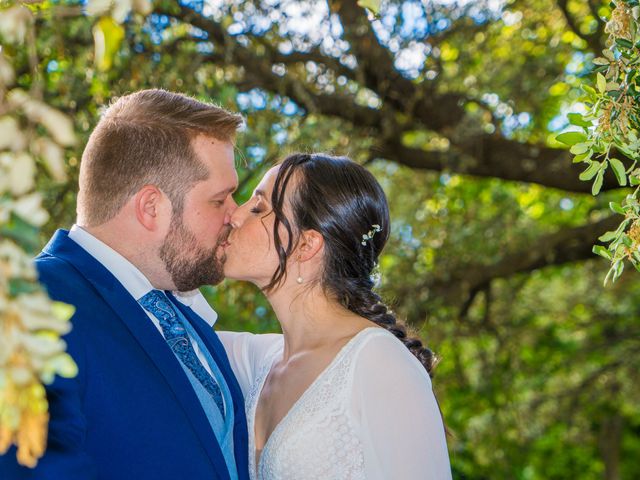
[299, 279]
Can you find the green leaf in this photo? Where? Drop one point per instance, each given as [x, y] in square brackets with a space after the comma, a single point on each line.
[583, 157]
[372, 5]
[615, 207]
[590, 172]
[613, 86]
[607, 237]
[601, 83]
[624, 43]
[23, 233]
[107, 36]
[571, 138]
[18, 286]
[602, 251]
[578, 120]
[597, 184]
[618, 269]
[606, 279]
[579, 148]
[619, 170]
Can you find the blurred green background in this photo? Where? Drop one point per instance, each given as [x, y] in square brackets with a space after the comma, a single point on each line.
[454, 107]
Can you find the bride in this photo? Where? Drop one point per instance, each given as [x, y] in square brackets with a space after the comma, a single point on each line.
[344, 393]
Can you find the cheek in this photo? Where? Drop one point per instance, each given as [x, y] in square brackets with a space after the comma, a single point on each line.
[206, 225]
[257, 241]
[214, 223]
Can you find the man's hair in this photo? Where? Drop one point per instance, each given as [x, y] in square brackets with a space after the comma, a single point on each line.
[146, 138]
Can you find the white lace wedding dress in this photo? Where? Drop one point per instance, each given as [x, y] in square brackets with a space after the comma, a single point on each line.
[371, 414]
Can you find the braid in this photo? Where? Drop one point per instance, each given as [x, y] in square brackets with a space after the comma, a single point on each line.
[363, 301]
[344, 203]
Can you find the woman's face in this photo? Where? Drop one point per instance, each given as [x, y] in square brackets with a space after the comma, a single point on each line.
[250, 252]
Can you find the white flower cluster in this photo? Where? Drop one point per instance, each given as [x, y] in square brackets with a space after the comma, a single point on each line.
[14, 23]
[32, 352]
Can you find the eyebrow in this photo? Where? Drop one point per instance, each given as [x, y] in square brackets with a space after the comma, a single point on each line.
[261, 194]
[224, 192]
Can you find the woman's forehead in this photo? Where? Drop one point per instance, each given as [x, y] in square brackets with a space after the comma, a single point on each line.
[266, 184]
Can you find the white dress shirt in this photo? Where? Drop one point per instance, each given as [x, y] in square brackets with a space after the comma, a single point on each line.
[134, 281]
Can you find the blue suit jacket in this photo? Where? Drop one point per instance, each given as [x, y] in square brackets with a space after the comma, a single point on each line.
[131, 412]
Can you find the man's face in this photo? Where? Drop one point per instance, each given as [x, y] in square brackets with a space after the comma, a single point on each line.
[190, 250]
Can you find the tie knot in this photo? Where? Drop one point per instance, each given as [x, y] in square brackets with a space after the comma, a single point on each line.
[158, 304]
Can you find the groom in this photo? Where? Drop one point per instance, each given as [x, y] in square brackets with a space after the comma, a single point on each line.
[155, 397]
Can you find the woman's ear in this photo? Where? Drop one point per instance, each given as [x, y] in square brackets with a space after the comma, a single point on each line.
[309, 245]
[150, 206]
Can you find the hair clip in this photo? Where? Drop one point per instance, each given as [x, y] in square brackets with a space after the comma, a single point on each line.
[369, 235]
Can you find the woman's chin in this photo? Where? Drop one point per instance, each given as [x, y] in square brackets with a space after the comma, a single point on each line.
[237, 275]
[234, 273]
[229, 274]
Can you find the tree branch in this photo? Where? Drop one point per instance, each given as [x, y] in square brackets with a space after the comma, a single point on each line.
[479, 155]
[593, 40]
[376, 67]
[593, 7]
[497, 157]
[314, 55]
[564, 246]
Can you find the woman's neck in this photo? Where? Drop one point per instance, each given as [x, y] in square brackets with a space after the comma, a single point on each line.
[311, 320]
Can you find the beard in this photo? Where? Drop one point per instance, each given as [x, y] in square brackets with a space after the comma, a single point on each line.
[189, 264]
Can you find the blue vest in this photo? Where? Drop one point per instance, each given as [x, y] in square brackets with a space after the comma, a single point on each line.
[223, 429]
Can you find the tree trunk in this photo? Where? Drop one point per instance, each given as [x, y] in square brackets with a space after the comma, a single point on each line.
[609, 442]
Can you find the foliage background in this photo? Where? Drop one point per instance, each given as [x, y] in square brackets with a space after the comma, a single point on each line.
[455, 107]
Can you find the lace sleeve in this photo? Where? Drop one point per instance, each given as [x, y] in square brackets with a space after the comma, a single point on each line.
[247, 353]
[401, 426]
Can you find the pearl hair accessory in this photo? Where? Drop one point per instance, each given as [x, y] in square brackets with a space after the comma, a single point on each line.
[375, 228]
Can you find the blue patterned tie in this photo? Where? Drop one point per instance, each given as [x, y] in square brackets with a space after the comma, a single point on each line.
[176, 336]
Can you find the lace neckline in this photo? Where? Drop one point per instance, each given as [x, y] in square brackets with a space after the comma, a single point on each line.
[261, 380]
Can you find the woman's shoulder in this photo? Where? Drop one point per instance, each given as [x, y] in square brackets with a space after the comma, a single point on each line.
[378, 353]
[372, 339]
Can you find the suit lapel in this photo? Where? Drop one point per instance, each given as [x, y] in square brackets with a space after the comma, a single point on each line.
[215, 347]
[127, 309]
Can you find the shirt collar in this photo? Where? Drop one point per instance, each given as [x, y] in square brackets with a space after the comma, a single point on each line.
[132, 279]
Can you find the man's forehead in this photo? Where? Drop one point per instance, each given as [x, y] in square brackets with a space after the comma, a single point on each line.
[218, 156]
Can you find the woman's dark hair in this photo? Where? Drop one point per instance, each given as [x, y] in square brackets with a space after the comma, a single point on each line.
[342, 201]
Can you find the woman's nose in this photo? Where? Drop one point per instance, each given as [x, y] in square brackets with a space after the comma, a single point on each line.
[232, 207]
[236, 217]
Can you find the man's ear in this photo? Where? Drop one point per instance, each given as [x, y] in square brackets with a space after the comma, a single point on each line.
[310, 244]
[150, 206]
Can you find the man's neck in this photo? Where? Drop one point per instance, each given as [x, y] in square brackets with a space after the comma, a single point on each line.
[137, 251]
